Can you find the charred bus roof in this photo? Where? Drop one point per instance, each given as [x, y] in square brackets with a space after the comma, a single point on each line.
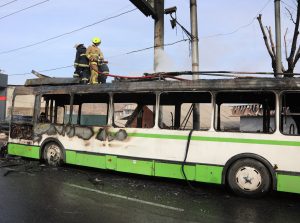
[70, 85]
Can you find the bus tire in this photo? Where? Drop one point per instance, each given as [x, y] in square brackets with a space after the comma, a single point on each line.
[249, 178]
[53, 154]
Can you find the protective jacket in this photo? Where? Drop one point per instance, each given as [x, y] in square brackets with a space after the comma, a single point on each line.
[81, 59]
[94, 54]
[81, 64]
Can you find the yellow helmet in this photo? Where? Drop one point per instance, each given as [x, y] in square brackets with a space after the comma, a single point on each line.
[96, 40]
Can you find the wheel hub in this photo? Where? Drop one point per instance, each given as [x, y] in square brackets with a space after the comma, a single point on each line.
[53, 155]
[248, 178]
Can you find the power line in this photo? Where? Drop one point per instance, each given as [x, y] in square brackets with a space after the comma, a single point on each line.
[67, 33]
[50, 69]
[151, 47]
[57, 68]
[23, 9]
[8, 3]
[130, 52]
[239, 28]
[288, 5]
[21, 74]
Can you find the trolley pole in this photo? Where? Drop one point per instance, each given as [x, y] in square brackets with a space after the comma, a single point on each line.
[158, 31]
[195, 57]
[278, 38]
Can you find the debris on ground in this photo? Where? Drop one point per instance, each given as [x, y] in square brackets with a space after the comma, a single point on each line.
[20, 165]
[96, 181]
[8, 172]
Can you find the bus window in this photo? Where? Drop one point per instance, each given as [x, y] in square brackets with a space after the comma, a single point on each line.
[94, 114]
[176, 110]
[53, 108]
[23, 108]
[134, 110]
[245, 112]
[90, 109]
[22, 117]
[290, 113]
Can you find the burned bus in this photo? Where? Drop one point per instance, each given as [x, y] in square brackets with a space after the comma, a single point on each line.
[247, 136]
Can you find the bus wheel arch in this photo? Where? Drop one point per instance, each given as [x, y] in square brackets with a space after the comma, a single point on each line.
[253, 160]
[52, 147]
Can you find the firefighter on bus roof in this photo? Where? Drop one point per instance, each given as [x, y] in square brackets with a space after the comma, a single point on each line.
[95, 57]
[81, 64]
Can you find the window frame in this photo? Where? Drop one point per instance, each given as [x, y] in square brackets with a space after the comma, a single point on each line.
[34, 112]
[211, 104]
[280, 94]
[215, 120]
[80, 108]
[54, 110]
[135, 102]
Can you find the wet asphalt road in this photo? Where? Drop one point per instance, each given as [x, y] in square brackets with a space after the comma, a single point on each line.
[31, 192]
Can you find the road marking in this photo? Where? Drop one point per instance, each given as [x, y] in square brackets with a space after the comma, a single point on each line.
[125, 197]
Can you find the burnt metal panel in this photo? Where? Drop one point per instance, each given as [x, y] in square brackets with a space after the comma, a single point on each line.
[51, 81]
[243, 84]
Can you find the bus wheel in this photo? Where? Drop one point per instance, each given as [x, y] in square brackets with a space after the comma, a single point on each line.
[52, 154]
[249, 178]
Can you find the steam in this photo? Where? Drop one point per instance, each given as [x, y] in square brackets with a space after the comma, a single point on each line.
[164, 62]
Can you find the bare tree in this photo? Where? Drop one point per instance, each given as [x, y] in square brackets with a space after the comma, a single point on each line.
[294, 53]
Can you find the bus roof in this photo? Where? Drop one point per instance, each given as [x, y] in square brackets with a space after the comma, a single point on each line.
[67, 85]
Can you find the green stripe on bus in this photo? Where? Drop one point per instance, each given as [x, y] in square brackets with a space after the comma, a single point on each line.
[218, 139]
[24, 150]
[196, 172]
[288, 183]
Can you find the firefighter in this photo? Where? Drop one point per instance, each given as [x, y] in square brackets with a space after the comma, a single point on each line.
[95, 57]
[103, 68]
[81, 64]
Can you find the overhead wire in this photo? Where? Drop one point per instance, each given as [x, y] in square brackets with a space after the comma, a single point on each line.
[148, 48]
[130, 52]
[288, 5]
[46, 70]
[240, 27]
[21, 10]
[68, 33]
[118, 15]
[8, 3]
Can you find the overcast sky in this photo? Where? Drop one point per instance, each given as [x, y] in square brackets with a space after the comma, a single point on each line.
[239, 47]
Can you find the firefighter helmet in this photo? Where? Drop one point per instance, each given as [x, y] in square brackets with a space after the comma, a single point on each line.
[96, 40]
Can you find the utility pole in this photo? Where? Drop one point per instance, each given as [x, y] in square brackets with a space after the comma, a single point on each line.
[195, 57]
[155, 9]
[194, 32]
[158, 31]
[278, 38]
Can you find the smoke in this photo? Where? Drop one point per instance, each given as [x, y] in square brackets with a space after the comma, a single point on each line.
[164, 62]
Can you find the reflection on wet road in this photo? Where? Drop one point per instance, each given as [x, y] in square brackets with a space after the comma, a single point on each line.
[32, 192]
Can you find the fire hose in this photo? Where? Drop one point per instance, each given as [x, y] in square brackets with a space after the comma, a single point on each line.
[157, 75]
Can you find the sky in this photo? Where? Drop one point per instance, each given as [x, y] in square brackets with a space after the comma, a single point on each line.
[229, 36]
